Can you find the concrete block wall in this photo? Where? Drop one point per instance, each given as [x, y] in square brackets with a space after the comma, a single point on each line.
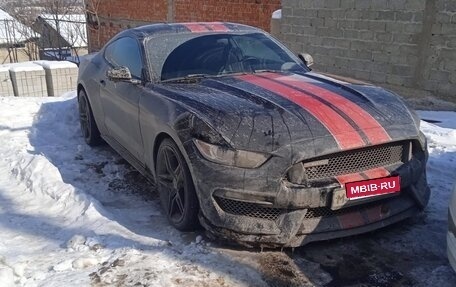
[6, 86]
[38, 79]
[117, 15]
[29, 80]
[61, 76]
[406, 43]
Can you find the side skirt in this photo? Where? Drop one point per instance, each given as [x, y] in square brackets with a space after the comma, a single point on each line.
[131, 159]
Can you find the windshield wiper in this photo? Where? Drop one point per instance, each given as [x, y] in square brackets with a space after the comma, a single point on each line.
[246, 73]
[280, 71]
[196, 77]
[188, 78]
[268, 71]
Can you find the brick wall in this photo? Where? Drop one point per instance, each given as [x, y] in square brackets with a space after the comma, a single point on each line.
[403, 43]
[116, 15]
[251, 12]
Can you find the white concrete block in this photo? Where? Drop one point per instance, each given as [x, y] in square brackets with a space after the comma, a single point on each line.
[29, 80]
[61, 76]
[6, 86]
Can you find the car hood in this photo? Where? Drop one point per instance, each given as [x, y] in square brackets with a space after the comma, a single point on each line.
[309, 115]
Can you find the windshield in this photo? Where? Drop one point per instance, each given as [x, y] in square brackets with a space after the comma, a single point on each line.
[187, 55]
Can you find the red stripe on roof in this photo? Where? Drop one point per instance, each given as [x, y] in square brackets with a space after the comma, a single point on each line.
[344, 134]
[217, 27]
[196, 27]
[368, 124]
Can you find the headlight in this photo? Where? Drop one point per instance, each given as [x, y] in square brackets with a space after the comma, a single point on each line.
[222, 155]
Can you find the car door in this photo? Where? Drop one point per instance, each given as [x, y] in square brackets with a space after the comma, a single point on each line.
[120, 99]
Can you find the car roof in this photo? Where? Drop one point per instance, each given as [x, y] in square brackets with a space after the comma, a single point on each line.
[190, 27]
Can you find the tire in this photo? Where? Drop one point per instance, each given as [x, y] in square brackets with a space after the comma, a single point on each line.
[89, 128]
[175, 186]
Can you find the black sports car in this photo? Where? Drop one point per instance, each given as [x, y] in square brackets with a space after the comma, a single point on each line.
[241, 137]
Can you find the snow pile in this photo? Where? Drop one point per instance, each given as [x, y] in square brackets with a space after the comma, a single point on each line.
[22, 67]
[53, 65]
[68, 217]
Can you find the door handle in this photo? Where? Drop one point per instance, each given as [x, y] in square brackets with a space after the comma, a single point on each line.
[103, 82]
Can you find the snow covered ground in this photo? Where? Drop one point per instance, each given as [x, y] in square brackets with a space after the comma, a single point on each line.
[71, 215]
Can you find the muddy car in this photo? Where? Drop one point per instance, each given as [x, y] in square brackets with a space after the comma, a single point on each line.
[243, 138]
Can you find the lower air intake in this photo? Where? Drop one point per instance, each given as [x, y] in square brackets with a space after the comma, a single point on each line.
[249, 209]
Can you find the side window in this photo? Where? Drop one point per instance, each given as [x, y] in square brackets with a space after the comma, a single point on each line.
[125, 52]
[251, 46]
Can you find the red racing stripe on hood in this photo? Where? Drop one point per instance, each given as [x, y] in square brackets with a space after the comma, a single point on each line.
[368, 174]
[354, 177]
[373, 130]
[196, 27]
[344, 134]
[377, 173]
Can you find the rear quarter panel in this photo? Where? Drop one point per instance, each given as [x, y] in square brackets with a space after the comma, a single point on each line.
[91, 71]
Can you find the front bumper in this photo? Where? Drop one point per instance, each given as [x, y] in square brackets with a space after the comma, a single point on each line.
[258, 208]
[323, 229]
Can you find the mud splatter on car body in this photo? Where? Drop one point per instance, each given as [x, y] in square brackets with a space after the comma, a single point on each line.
[316, 133]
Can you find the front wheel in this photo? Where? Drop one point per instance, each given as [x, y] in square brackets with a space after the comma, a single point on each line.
[175, 186]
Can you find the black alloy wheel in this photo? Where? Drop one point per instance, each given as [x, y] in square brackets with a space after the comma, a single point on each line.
[175, 186]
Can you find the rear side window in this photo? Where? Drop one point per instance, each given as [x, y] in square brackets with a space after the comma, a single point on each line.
[125, 52]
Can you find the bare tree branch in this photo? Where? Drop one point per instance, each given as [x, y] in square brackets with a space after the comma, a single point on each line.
[93, 20]
[54, 20]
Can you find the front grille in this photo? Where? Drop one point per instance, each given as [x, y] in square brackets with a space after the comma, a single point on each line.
[248, 209]
[348, 162]
[236, 207]
[324, 212]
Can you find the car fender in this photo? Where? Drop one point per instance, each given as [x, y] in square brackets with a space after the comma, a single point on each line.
[159, 116]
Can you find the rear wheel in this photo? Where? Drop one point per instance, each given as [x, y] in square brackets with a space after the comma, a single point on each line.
[175, 186]
[89, 128]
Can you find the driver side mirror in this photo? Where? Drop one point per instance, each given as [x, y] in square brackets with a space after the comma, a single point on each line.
[306, 59]
[119, 74]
